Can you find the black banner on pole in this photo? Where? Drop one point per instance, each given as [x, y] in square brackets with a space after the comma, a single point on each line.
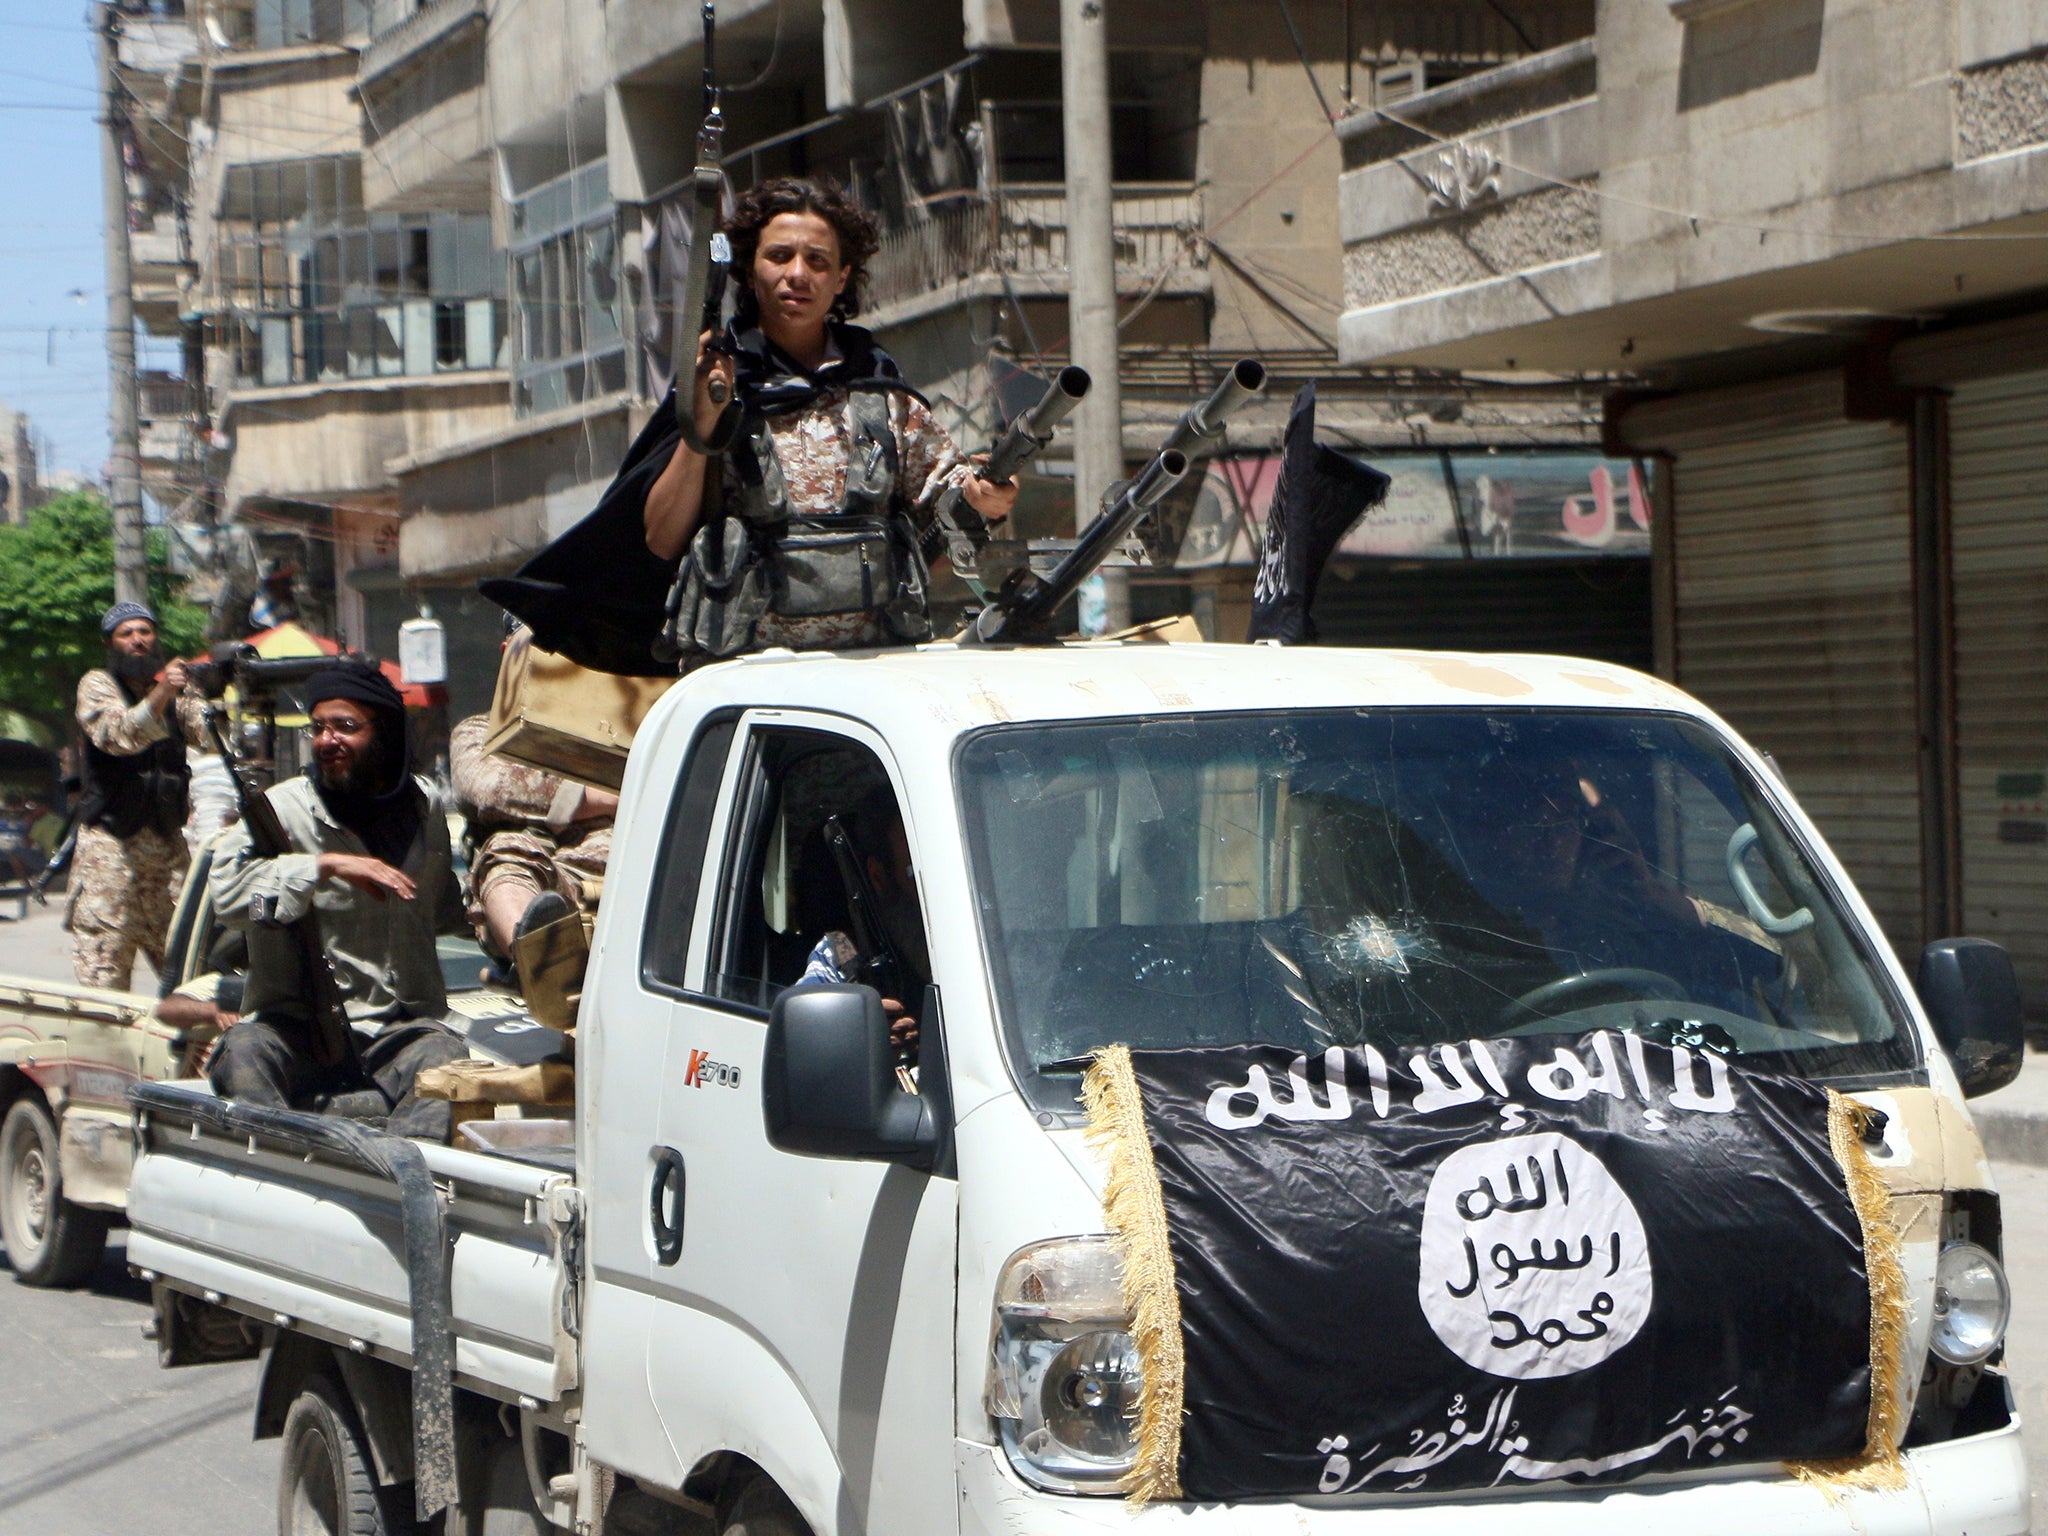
[1500, 1263]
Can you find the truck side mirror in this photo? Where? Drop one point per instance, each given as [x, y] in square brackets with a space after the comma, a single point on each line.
[1972, 998]
[828, 1085]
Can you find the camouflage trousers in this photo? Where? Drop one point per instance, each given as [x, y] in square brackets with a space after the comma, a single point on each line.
[122, 893]
[571, 865]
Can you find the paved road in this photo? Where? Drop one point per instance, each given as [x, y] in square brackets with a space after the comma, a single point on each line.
[96, 1441]
[40, 947]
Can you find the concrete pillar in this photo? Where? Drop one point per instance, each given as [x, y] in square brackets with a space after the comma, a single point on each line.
[131, 566]
[1091, 269]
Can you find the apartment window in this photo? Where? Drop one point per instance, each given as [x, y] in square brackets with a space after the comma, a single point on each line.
[317, 289]
[571, 343]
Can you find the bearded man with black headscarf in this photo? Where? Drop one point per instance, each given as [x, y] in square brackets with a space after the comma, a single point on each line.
[370, 862]
[137, 716]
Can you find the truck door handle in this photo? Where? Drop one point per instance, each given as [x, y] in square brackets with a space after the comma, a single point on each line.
[665, 1214]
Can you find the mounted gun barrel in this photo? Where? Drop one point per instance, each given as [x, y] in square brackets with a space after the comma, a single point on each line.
[1025, 606]
[1201, 430]
[957, 531]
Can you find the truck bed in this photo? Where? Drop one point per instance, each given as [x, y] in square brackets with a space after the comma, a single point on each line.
[298, 1220]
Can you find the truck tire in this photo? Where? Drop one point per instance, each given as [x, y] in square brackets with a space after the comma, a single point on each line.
[762, 1509]
[49, 1240]
[325, 1485]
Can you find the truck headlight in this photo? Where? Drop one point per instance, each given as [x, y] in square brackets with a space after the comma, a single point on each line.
[1971, 1304]
[1063, 1376]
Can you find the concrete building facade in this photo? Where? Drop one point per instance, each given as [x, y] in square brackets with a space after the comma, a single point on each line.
[1801, 243]
[418, 256]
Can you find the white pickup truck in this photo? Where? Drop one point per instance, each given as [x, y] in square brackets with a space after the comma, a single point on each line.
[758, 1287]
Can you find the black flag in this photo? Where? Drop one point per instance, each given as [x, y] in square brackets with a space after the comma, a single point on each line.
[1320, 495]
[597, 594]
[1497, 1263]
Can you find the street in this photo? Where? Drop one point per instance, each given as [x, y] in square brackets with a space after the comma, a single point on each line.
[95, 1440]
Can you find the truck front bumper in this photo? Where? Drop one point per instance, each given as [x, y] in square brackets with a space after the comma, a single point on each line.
[1976, 1485]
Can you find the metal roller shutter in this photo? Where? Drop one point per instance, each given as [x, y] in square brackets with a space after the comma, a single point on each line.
[1561, 607]
[1998, 499]
[1793, 620]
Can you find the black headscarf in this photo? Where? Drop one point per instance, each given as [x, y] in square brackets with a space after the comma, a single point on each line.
[597, 594]
[386, 818]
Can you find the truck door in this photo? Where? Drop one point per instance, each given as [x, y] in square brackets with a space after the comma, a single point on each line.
[810, 1301]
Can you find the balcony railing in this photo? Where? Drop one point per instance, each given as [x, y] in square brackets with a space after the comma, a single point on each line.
[262, 24]
[1021, 231]
[164, 396]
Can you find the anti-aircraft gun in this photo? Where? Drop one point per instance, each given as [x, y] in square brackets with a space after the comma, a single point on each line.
[262, 686]
[956, 530]
[1022, 610]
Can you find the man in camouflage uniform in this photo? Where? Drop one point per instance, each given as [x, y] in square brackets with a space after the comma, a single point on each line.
[532, 834]
[131, 854]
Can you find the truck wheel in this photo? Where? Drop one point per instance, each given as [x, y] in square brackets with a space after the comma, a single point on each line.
[762, 1509]
[49, 1240]
[325, 1486]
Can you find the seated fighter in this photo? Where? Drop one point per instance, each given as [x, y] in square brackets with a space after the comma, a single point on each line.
[371, 862]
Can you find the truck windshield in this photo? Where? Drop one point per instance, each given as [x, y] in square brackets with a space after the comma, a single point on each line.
[1402, 877]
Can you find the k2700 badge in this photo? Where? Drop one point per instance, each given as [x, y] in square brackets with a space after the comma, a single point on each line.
[703, 1071]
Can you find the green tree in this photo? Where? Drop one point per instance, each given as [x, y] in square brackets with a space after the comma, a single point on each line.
[56, 579]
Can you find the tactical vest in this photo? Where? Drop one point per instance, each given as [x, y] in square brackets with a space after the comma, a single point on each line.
[755, 554]
[126, 794]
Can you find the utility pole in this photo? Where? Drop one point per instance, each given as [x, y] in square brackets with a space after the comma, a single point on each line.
[131, 572]
[1091, 271]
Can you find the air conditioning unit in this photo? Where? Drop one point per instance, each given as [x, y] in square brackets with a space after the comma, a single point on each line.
[1393, 84]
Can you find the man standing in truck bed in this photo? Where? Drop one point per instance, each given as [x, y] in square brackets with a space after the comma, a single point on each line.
[370, 862]
[131, 837]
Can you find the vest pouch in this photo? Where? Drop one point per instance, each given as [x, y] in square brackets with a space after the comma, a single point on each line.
[722, 590]
[825, 569]
[907, 613]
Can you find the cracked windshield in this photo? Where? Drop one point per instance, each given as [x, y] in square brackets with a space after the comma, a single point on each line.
[1401, 878]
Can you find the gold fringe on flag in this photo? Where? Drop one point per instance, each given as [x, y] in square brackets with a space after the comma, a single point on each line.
[1880, 1466]
[1137, 1215]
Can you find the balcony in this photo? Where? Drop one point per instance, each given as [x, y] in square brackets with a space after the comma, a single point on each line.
[967, 246]
[1464, 207]
[163, 242]
[421, 85]
[399, 34]
[166, 406]
[264, 25]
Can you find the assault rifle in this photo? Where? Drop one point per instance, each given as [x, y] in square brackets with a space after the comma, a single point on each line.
[698, 308]
[333, 1037]
[877, 963]
[60, 861]
[1024, 608]
[956, 530]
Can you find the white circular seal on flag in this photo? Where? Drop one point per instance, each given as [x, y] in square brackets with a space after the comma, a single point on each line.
[1534, 1262]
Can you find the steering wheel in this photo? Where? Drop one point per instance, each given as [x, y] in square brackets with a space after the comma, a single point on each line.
[1543, 1000]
